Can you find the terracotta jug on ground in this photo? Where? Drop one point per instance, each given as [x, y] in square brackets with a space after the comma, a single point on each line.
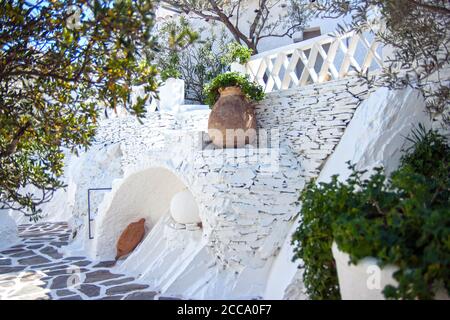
[232, 122]
[130, 238]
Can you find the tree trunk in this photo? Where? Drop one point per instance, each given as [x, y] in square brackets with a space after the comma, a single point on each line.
[12, 147]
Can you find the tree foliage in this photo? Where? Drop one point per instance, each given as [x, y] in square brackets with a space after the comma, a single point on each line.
[60, 63]
[418, 34]
[249, 24]
[196, 59]
[237, 53]
[174, 36]
[201, 63]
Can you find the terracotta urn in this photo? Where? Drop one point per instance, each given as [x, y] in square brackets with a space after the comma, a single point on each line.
[232, 122]
[130, 238]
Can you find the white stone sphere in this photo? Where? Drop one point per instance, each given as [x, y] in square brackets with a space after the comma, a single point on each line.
[183, 208]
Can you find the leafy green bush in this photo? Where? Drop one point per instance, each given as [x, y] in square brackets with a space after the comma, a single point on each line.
[199, 64]
[170, 72]
[174, 37]
[403, 221]
[195, 58]
[251, 90]
[313, 239]
[237, 52]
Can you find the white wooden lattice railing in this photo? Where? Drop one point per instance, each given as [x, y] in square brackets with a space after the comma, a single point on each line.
[315, 60]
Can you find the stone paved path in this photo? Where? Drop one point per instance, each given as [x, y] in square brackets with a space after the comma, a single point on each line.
[34, 269]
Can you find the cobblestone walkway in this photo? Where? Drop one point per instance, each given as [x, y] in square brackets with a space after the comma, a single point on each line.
[35, 269]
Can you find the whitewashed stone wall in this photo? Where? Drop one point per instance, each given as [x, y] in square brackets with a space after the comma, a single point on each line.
[312, 119]
[119, 144]
[248, 203]
[247, 197]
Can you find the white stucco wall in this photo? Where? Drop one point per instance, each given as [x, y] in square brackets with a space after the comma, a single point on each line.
[8, 230]
[376, 135]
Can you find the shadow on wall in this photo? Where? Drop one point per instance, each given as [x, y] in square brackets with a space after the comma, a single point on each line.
[144, 194]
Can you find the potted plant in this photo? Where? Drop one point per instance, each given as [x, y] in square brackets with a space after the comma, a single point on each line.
[389, 237]
[237, 56]
[232, 121]
[174, 37]
[171, 92]
[171, 72]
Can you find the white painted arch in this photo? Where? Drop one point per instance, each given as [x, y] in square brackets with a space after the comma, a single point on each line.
[145, 194]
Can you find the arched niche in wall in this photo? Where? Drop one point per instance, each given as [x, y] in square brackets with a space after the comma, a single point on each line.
[143, 194]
